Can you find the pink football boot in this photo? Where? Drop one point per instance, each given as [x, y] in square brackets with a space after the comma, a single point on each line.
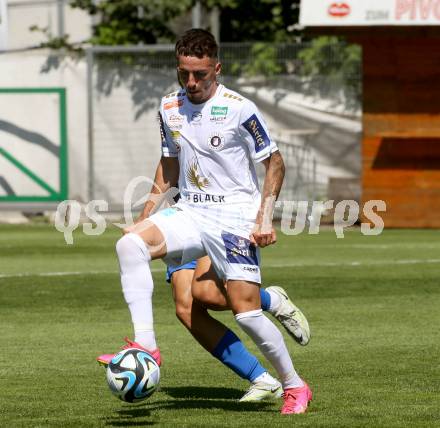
[296, 400]
[105, 359]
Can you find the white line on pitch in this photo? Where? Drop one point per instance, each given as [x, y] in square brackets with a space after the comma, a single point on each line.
[91, 272]
[271, 265]
[354, 263]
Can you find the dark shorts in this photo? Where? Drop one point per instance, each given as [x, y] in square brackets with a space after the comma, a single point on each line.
[172, 269]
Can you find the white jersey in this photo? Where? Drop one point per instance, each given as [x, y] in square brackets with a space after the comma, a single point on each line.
[217, 143]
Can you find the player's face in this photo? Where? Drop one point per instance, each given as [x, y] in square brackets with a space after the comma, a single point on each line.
[198, 76]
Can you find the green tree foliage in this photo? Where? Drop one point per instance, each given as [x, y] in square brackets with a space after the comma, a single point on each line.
[131, 22]
[125, 22]
[328, 55]
[263, 61]
[338, 62]
[262, 24]
[264, 20]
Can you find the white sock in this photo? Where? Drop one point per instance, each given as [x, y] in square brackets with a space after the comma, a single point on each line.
[275, 301]
[270, 342]
[137, 286]
[265, 378]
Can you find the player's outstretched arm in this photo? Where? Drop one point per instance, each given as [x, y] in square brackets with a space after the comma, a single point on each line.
[264, 233]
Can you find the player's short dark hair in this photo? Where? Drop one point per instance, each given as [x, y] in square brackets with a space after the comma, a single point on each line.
[197, 42]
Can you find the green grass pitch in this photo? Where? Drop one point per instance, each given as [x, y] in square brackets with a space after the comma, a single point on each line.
[373, 361]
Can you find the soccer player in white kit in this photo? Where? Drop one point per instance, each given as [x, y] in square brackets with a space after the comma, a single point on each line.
[211, 137]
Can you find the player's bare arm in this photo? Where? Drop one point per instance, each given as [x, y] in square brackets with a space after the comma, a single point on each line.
[264, 233]
[167, 174]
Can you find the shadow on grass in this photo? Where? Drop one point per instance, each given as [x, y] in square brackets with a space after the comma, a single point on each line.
[128, 417]
[187, 398]
[128, 423]
[203, 392]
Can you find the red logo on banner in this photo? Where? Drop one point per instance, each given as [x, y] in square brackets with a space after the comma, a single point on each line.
[339, 10]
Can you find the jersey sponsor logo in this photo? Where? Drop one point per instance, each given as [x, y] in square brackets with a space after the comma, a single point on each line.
[239, 250]
[219, 111]
[175, 121]
[218, 120]
[194, 177]
[173, 104]
[253, 270]
[175, 136]
[218, 114]
[216, 141]
[205, 198]
[255, 128]
[196, 116]
[172, 94]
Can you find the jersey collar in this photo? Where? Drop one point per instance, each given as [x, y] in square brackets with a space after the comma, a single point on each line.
[210, 100]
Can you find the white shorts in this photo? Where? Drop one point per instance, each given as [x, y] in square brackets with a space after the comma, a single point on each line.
[220, 232]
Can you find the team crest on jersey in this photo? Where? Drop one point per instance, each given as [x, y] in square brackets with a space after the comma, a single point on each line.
[175, 121]
[216, 141]
[194, 177]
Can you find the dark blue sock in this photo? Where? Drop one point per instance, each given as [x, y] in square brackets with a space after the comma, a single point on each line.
[265, 299]
[233, 354]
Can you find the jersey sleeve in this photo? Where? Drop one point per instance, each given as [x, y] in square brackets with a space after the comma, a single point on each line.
[255, 132]
[169, 149]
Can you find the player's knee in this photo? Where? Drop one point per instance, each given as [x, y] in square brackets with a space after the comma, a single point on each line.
[130, 249]
[123, 245]
[241, 306]
[247, 319]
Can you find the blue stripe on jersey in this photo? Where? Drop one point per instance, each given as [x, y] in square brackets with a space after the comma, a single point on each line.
[256, 129]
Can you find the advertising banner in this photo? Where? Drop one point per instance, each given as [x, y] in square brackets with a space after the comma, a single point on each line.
[369, 12]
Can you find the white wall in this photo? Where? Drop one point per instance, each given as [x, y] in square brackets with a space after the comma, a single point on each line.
[25, 135]
[24, 70]
[124, 146]
[22, 14]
